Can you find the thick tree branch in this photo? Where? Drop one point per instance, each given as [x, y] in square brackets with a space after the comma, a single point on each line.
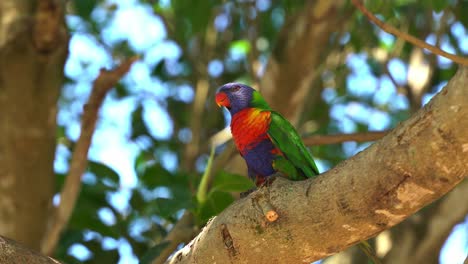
[415, 164]
[450, 212]
[71, 189]
[420, 238]
[12, 252]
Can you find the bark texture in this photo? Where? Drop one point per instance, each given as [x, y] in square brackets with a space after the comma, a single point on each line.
[33, 49]
[420, 238]
[12, 252]
[417, 163]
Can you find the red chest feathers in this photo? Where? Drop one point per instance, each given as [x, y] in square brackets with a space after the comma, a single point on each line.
[249, 127]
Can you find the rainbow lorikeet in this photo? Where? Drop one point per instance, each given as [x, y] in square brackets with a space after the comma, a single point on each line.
[264, 138]
[267, 141]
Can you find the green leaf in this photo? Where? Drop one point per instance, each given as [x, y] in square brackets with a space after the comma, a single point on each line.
[84, 7]
[155, 233]
[104, 256]
[439, 5]
[153, 252]
[228, 182]
[216, 202]
[461, 13]
[121, 91]
[138, 124]
[194, 14]
[86, 219]
[69, 237]
[240, 46]
[166, 207]
[156, 175]
[102, 170]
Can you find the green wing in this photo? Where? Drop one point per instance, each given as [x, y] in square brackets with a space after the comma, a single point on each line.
[284, 136]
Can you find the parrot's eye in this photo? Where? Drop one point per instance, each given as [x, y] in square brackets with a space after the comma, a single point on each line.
[235, 88]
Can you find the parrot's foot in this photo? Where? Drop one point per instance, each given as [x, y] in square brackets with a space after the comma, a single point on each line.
[268, 181]
[265, 181]
[249, 191]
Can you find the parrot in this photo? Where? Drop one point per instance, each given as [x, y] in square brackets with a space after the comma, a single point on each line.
[267, 141]
[264, 138]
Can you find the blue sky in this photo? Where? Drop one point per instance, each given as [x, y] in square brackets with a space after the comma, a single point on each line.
[145, 34]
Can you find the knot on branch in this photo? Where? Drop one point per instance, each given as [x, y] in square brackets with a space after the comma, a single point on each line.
[263, 204]
[228, 242]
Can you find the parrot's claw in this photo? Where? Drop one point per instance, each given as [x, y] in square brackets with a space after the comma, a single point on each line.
[249, 191]
[269, 181]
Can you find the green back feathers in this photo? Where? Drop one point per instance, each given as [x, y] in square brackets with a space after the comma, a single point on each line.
[284, 137]
[258, 101]
[297, 163]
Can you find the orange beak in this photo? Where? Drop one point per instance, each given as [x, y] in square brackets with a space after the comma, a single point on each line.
[222, 100]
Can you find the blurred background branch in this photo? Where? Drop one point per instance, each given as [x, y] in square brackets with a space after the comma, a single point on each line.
[71, 188]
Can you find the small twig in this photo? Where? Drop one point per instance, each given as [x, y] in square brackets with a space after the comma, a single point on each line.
[339, 138]
[411, 39]
[71, 188]
[389, 74]
[261, 201]
[268, 210]
[414, 105]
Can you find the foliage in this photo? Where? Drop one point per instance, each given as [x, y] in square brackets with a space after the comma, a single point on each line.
[217, 42]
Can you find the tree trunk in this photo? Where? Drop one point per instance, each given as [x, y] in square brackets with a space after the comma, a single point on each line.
[33, 49]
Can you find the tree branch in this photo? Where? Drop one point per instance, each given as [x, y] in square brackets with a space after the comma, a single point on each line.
[413, 40]
[418, 162]
[340, 138]
[420, 238]
[71, 188]
[13, 252]
[450, 212]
